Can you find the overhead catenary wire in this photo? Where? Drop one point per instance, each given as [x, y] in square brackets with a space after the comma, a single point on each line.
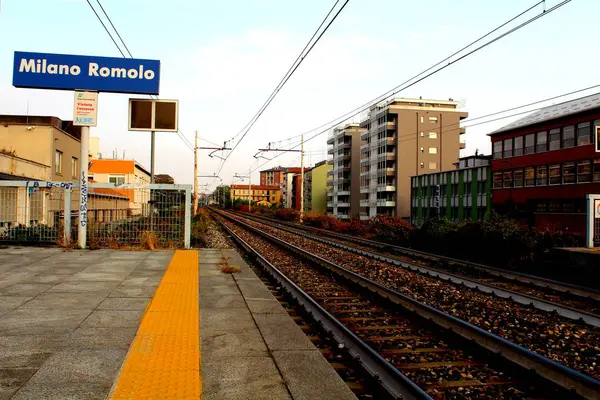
[495, 113]
[403, 85]
[286, 77]
[179, 133]
[395, 90]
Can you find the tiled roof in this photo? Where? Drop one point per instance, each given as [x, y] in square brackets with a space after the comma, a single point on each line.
[555, 111]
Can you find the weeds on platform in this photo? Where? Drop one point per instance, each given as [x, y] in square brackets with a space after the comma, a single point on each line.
[226, 267]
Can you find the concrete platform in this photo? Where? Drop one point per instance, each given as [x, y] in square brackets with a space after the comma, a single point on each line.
[67, 319]
[251, 348]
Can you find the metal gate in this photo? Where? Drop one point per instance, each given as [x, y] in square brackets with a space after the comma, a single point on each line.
[115, 216]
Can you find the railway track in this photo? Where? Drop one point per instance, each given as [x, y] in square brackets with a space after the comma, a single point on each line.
[428, 346]
[567, 294]
[564, 303]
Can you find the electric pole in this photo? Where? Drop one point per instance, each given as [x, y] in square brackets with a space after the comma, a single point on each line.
[250, 190]
[302, 179]
[196, 195]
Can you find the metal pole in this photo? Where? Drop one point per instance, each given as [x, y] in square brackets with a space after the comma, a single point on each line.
[188, 218]
[196, 175]
[83, 187]
[250, 190]
[67, 218]
[152, 150]
[302, 179]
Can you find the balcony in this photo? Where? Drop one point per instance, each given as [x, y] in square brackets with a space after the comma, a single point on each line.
[386, 188]
[330, 151]
[330, 204]
[343, 216]
[330, 172]
[386, 156]
[391, 125]
[364, 203]
[331, 140]
[390, 141]
[386, 203]
[347, 145]
[390, 171]
[343, 193]
[343, 205]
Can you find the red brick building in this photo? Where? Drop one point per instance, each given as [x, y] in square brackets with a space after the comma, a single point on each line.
[546, 163]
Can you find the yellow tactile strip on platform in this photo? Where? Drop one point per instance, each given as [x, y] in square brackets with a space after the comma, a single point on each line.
[164, 359]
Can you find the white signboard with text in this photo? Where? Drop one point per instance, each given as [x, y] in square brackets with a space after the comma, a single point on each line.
[85, 109]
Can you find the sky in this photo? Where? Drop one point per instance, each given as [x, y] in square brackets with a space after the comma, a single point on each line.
[222, 59]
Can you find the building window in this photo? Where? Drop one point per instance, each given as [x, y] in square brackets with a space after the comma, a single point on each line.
[433, 150]
[530, 143]
[508, 148]
[518, 150]
[422, 164]
[555, 139]
[518, 173]
[568, 138]
[58, 162]
[497, 180]
[432, 135]
[584, 171]
[422, 149]
[497, 150]
[529, 176]
[421, 119]
[597, 170]
[433, 120]
[542, 175]
[584, 134]
[508, 179]
[432, 165]
[554, 173]
[569, 172]
[116, 179]
[541, 142]
[74, 168]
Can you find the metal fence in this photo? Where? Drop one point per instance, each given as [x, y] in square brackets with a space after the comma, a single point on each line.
[116, 216]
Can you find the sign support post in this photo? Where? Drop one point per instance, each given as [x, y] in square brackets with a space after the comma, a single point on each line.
[85, 114]
[83, 187]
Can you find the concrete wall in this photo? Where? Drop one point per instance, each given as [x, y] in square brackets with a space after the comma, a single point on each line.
[70, 148]
[319, 188]
[33, 145]
[26, 169]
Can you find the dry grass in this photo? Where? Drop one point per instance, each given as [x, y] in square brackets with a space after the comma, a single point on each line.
[226, 267]
[150, 240]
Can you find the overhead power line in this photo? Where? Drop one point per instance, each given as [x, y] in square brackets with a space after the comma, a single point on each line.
[179, 133]
[402, 87]
[495, 113]
[303, 54]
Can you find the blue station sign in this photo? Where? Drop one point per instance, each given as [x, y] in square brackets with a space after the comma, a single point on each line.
[71, 72]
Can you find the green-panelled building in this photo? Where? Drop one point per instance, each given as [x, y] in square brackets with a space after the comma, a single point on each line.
[461, 194]
[315, 188]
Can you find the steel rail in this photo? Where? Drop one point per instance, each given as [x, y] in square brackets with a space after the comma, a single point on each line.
[550, 370]
[538, 281]
[395, 384]
[524, 299]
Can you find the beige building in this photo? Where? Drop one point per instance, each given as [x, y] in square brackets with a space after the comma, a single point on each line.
[343, 197]
[34, 148]
[404, 138]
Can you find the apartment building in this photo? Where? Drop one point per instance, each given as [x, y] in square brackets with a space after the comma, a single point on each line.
[402, 138]
[272, 176]
[257, 193]
[545, 164]
[315, 188]
[343, 144]
[461, 194]
[287, 185]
